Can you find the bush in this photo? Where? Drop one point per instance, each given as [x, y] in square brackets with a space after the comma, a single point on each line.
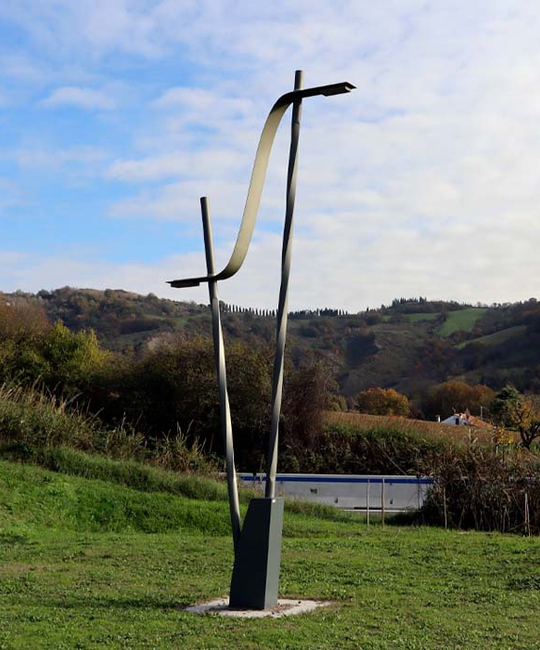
[34, 421]
[175, 386]
[485, 489]
[382, 401]
[63, 361]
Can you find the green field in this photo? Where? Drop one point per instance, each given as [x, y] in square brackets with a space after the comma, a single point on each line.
[497, 337]
[412, 318]
[418, 318]
[87, 564]
[462, 319]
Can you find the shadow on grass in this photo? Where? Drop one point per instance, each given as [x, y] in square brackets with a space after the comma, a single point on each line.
[13, 539]
[406, 518]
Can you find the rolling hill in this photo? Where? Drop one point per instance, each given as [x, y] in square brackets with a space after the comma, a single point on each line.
[409, 345]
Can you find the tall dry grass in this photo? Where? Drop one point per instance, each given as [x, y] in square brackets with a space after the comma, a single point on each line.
[407, 426]
[486, 488]
[32, 420]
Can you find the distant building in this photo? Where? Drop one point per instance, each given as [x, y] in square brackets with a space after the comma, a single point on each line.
[466, 420]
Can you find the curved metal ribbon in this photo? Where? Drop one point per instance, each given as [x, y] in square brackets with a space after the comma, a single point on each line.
[258, 176]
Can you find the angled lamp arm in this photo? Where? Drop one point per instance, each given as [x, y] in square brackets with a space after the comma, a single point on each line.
[257, 179]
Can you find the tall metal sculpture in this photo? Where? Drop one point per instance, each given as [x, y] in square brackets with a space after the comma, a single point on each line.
[257, 545]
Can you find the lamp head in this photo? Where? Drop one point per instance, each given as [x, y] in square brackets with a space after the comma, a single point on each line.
[337, 89]
[327, 91]
[182, 284]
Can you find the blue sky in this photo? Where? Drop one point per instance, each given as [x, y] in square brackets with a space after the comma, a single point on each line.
[117, 115]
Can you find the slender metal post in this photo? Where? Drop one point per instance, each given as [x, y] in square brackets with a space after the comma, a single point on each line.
[277, 382]
[382, 502]
[367, 503]
[219, 354]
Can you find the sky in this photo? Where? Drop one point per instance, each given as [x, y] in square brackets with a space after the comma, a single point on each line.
[117, 115]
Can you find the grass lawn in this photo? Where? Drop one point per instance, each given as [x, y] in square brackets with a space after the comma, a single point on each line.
[80, 567]
[462, 319]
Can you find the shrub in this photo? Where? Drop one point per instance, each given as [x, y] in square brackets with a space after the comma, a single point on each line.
[382, 401]
[485, 489]
[456, 396]
[33, 421]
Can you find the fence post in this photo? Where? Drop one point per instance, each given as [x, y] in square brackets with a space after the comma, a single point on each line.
[367, 503]
[382, 502]
[527, 516]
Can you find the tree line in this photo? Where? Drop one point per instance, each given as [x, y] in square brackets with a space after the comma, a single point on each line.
[507, 409]
[171, 386]
[167, 389]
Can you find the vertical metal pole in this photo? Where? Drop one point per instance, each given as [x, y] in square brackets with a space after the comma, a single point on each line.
[382, 502]
[367, 503]
[219, 354]
[277, 382]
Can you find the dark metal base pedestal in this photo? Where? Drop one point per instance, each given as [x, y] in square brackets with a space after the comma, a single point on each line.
[255, 578]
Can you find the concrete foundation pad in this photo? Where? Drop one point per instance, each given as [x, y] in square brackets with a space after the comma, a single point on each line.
[284, 607]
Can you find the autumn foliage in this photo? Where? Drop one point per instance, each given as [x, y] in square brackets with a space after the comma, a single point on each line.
[382, 401]
[456, 396]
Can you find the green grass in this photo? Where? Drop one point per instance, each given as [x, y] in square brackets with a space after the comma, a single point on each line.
[417, 318]
[410, 318]
[179, 321]
[130, 473]
[497, 337]
[68, 580]
[48, 499]
[462, 319]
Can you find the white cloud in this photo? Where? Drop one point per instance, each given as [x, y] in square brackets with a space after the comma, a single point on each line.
[34, 272]
[100, 25]
[5, 99]
[180, 201]
[193, 164]
[22, 68]
[204, 103]
[10, 263]
[351, 268]
[10, 195]
[149, 169]
[48, 158]
[74, 169]
[423, 181]
[85, 98]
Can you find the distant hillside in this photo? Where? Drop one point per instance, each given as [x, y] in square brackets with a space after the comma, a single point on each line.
[408, 345]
